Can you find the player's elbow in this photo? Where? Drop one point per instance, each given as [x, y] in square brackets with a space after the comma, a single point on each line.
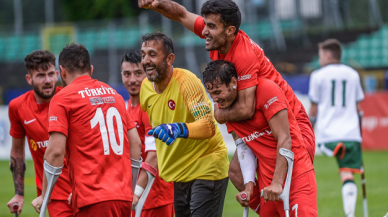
[51, 155]
[248, 112]
[212, 129]
[285, 141]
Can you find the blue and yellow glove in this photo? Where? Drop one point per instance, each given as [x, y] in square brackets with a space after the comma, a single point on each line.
[169, 132]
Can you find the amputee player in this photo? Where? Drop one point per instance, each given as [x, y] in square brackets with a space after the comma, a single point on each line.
[28, 115]
[335, 93]
[160, 200]
[190, 149]
[273, 127]
[88, 119]
[225, 41]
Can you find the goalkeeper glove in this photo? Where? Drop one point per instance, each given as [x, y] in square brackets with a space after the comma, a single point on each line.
[169, 132]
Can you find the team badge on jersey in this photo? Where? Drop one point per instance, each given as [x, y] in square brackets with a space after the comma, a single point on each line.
[171, 104]
[33, 145]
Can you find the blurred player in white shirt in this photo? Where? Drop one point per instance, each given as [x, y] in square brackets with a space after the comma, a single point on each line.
[335, 93]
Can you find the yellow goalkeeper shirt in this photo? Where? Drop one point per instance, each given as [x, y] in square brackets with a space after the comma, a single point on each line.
[203, 154]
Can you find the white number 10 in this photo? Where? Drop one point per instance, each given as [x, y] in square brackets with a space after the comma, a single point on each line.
[99, 119]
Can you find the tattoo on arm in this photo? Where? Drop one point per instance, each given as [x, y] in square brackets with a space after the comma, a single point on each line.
[235, 136]
[18, 167]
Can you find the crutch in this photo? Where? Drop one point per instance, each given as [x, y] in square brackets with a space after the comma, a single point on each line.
[365, 203]
[285, 195]
[151, 172]
[243, 197]
[15, 208]
[244, 153]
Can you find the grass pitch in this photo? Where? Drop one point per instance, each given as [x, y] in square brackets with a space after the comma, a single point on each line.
[329, 188]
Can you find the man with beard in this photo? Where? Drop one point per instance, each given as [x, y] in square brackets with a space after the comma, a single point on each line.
[190, 149]
[88, 119]
[272, 128]
[220, 26]
[161, 198]
[28, 115]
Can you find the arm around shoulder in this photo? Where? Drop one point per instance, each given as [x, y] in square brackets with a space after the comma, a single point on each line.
[241, 110]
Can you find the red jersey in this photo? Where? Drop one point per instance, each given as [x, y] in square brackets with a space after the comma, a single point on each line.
[257, 134]
[93, 118]
[251, 63]
[162, 193]
[30, 119]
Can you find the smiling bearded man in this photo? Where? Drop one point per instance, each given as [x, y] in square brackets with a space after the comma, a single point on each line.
[189, 146]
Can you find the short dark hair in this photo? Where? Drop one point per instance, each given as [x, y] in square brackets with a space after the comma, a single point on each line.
[332, 45]
[39, 59]
[219, 72]
[228, 10]
[75, 58]
[132, 56]
[158, 36]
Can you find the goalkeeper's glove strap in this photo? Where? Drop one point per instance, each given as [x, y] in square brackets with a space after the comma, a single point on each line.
[184, 131]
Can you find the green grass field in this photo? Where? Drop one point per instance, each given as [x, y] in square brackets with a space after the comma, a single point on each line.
[328, 181]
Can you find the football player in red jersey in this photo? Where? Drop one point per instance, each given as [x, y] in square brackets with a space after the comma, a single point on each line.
[28, 115]
[88, 119]
[220, 26]
[160, 200]
[272, 128]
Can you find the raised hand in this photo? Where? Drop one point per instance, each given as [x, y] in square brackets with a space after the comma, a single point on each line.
[148, 4]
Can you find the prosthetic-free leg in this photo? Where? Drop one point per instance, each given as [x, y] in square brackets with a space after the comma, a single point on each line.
[52, 175]
[285, 195]
[151, 172]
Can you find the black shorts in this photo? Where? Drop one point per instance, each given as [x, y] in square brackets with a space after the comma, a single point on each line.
[200, 198]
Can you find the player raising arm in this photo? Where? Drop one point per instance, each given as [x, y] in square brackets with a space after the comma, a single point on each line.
[160, 200]
[220, 26]
[88, 119]
[28, 115]
[335, 93]
[272, 128]
[190, 149]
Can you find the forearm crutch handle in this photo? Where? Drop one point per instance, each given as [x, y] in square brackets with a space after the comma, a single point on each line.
[151, 172]
[244, 197]
[285, 195]
[52, 175]
[15, 208]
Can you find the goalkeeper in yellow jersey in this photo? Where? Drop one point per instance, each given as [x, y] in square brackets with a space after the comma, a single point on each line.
[189, 146]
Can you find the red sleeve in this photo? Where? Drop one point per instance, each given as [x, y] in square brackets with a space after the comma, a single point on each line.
[270, 98]
[17, 129]
[199, 25]
[130, 123]
[244, 54]
[59, 114]
[146, 122]
[229, 127]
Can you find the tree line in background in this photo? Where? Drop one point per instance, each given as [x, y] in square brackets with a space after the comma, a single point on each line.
[68, 10]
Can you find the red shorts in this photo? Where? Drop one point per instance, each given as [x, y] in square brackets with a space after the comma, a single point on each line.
[303, 199]
[60, 208]
[307, 132]
[111, 208]
[161, 211]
